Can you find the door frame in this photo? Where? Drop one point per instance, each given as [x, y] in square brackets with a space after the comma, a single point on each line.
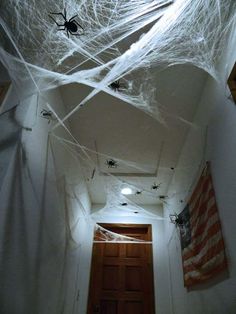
[125, 225]
[113, 225]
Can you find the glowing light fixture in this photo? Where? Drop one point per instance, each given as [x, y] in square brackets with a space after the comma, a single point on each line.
[126, 191]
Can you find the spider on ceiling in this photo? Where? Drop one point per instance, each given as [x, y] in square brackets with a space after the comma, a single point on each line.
[156, 186]
[117, 86]
[111, 163]
[71, 26]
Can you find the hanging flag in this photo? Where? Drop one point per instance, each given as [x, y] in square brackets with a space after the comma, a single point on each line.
[203, 252]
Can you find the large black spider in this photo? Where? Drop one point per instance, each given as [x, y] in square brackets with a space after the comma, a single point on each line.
[70, 26]
[117, 86]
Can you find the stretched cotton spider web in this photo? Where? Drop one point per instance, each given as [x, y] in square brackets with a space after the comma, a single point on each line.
[183, 32]
[131, 41]
[105, 235]
[112, 61]
[68, 192]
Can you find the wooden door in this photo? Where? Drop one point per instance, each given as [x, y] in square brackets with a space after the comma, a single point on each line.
[122, 275]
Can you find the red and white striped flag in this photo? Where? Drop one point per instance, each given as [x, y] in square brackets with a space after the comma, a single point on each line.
[202, 243]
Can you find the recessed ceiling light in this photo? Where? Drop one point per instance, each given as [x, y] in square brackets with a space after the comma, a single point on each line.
[126, 191]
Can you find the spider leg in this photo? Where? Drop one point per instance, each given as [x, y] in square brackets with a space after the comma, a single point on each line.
[64, 16]
[122, 86]
[72, 33]
[72, 17]
[67, 31]
[55, 21]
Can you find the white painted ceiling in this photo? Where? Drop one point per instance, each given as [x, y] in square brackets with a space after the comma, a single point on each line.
[145, 149]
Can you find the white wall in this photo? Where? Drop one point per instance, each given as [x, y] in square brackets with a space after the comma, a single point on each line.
[161, 278]
[217, 113]
[38, 257]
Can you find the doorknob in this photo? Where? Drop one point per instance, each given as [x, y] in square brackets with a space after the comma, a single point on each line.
[96, 308]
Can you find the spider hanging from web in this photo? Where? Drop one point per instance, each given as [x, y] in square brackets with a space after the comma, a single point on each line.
[117, 86]
[71, 26]
[111, 163]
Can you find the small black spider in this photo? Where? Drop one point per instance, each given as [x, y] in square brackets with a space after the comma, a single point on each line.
[177, 220]
[156, 186]
[111, 163]
[117, 86]
[46, 114]
[70, 26]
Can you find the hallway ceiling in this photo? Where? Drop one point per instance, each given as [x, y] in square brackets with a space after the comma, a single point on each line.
[146, 151]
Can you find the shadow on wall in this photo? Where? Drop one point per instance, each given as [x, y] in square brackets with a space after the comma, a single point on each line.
[33, 241]
[15, 247]
[9, 136]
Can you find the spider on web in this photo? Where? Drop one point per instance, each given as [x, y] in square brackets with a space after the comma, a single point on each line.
[71, 26]
[177, 220]
[156, 186]
[117, 86]
[111, 163]
[47, 114]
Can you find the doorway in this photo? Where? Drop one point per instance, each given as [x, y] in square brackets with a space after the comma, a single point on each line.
[121, 280]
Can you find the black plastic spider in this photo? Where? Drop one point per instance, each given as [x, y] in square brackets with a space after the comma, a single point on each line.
[70, 26]
[117, 86]
[156, 186]
[177, 220]
[111, 163]
[47, 114]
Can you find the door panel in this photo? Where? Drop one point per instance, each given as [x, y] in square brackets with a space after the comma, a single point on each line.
[121, 274]
[109, 307]
[110, 277]
[133, 307]
[111, 250]
[134, 250]
[133, 278]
